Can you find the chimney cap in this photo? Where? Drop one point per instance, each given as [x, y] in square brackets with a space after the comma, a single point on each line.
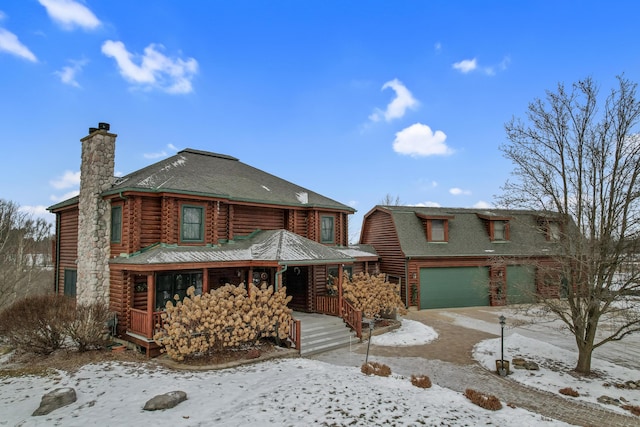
[92, 130]
[104, 126]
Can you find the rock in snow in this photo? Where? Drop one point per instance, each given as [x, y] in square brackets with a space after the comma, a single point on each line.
[55, 399]
[165, 401]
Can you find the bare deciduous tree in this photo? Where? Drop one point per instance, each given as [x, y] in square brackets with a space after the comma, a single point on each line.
[388, 200]
[25, 253]
[578, 155]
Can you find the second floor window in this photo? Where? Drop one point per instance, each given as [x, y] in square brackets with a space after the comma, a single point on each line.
[116, 224]
[500, 230]
[192, 226]
[554, 231]
[437, 230]
[327, 232]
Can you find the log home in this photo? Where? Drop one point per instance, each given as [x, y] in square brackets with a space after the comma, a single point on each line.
[452, 257]
[196, 219]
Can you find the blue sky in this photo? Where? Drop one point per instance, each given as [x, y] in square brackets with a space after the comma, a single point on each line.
[351, 99]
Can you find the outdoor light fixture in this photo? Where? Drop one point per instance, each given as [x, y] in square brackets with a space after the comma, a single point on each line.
[502, 371]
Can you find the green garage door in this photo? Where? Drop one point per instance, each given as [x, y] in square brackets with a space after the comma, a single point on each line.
[444, 287]
[521, 284]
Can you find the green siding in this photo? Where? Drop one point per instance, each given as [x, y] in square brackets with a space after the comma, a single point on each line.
[521, 284]
[443, 287]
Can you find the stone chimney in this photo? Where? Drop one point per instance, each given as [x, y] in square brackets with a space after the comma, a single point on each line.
[94, 221]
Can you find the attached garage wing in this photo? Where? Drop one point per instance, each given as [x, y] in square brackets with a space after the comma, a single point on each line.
[521, 284]
[444, 287]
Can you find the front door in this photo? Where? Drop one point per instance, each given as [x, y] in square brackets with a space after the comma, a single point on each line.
[296, 279]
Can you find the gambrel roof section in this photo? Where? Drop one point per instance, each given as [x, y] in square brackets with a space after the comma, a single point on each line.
[467, 234]
[203, 173]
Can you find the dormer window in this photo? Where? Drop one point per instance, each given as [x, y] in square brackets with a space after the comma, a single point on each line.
[551, 228]
[497, 226]
[553, 231]
[436, 227]
[437, 230]
[500, 230]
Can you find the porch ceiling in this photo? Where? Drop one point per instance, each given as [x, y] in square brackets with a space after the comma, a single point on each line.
[279, 246]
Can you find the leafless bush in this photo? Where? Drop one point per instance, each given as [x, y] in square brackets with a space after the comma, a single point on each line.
[421, 381]
[38, 323]
[88, 327]
[486, 401]
[375, 368]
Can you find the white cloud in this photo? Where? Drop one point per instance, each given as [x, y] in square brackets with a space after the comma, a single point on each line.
[68, 73]
[398, 106]
[420, 140]
[157, 155]
[65, 196]
[160, 154]
[438, 47]
[155, 70]
[67, 180]
[9, 43]
[469, 65]
[459, 191]
[353, 203]
[428, 205]
[481, 204]
[466, 66]
[70, 14]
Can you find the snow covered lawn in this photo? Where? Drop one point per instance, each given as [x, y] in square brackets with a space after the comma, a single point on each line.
[556, 365]
[295, 392]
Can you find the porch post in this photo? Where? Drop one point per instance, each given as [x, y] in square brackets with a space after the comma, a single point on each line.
[340, 273]
[151, 302]
[205, 281]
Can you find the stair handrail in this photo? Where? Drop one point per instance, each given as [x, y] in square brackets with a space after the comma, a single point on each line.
[352, 317]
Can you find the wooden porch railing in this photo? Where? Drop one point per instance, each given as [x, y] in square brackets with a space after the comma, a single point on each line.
[352, 317]
[140, 322]
[326, 304]
[294, 333]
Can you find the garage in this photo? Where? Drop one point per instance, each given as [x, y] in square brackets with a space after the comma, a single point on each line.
[521, 284]
[444, 287]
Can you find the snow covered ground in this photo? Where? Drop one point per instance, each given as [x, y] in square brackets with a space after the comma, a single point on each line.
[555, 366]
[288, 392]
[301, 392]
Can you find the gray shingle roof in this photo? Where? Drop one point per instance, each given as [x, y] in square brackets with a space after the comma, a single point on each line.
[279, 246]
[468, 235]
[218, 175]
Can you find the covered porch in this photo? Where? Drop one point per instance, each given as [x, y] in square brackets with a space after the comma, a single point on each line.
[152, 277]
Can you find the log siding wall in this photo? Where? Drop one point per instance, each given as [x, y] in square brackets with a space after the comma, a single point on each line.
[149, 219]
[68, 245]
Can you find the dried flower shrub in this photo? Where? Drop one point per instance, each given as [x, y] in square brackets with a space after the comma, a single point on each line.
[568, 391]
[421, 381]
[227, 317]
[375, 368]
[372, 294]
[486, 401]
[635, 410]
